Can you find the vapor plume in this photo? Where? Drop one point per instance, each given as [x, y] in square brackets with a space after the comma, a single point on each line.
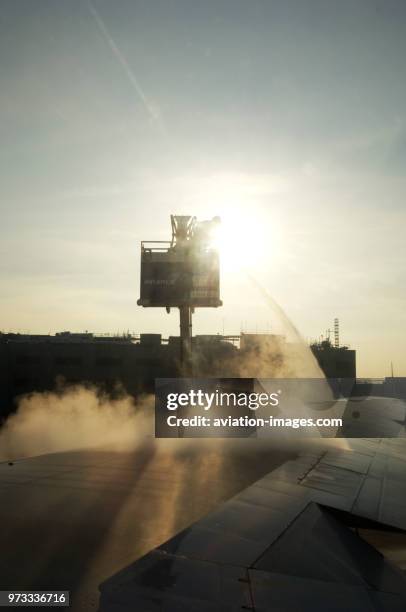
[74, 418]
[261, 355]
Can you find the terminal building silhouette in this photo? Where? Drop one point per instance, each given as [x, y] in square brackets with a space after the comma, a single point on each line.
[30, 363]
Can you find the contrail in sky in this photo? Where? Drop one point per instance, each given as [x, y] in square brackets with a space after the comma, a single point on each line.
[154, 114]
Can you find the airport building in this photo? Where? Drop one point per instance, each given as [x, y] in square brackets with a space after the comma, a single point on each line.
[30, 363]
[335, 361]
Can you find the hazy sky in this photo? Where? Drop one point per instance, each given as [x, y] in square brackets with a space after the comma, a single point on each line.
[289, 116]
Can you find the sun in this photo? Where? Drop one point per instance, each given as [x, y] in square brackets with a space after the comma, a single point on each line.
[242, 241]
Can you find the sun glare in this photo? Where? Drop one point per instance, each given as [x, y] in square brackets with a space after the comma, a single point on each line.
[242, 242]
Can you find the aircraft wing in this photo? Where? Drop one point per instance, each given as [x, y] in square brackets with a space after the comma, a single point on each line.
[286, 543]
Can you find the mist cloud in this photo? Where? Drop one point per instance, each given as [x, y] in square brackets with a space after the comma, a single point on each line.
[74, 418]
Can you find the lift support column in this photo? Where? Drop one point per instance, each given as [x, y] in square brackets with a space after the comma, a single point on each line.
[185, 316]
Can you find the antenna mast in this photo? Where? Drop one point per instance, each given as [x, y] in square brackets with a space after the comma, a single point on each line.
[336, 333]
